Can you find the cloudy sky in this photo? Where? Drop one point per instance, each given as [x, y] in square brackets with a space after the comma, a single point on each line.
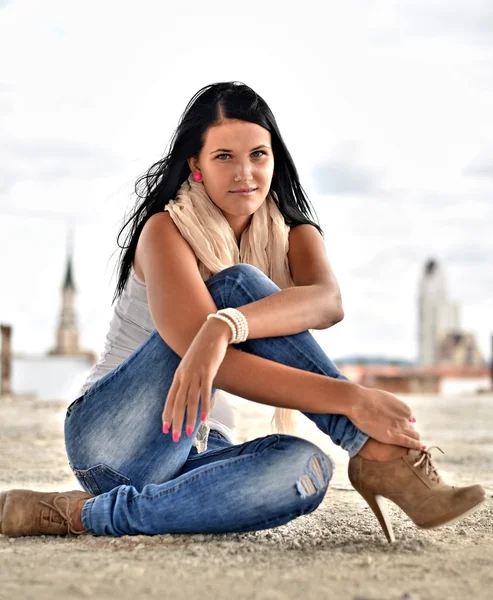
[386, 107]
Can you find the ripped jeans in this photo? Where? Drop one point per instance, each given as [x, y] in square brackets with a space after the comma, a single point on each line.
[144, 483]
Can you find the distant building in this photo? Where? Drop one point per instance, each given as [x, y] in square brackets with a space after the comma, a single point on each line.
[67, 336]
[460, 349]
[437, 315]
[441, 339]
[420, 380]
[60, 374]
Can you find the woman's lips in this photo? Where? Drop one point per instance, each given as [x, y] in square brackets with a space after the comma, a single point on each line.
[245, 192]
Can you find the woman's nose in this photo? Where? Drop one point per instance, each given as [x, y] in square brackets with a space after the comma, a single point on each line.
[244, 171]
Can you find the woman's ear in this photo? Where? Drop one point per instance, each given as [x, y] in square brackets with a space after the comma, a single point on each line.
[193, 164]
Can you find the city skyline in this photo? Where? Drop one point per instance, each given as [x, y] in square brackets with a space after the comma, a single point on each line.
[68, 311]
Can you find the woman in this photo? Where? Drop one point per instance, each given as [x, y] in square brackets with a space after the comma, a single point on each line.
[221, 252]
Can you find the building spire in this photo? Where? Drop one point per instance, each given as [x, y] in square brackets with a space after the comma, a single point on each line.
[69, 278]
[68, 334]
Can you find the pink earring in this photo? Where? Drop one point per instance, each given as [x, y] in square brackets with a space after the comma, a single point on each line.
[197, 177]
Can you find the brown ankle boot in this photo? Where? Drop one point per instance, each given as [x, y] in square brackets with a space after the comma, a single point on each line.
[413, 483]
[24, 512]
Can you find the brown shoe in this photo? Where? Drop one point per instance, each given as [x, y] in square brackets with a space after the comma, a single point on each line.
[24, 512]
[413, 483]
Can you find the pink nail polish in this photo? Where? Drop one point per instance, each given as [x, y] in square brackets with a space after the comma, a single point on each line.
[424, 447]
[165, 427]
[203, 416]
[189, 430]
[176, 436]
[413, 420]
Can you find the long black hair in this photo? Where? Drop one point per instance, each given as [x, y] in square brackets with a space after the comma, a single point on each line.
[160, 184]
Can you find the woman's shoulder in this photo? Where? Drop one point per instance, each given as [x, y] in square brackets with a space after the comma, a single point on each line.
[160, 219]
[155, 229]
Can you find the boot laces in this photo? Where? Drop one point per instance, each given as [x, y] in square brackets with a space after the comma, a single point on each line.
[61, 511]
[425, 462]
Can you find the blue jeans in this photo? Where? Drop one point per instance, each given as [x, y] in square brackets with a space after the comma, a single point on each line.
[144, 483]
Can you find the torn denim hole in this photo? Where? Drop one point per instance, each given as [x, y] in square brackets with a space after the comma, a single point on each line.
[319, 472]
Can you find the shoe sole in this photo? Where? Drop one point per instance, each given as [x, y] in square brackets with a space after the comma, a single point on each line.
[3, 498]
[463, 515]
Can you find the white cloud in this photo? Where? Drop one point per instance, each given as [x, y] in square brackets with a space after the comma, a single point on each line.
[481, 165]
[469, 22]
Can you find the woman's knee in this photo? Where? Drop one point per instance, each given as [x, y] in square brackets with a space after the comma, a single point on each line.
[240, 284]
[308, 466]
[316, 468]
[241, 270]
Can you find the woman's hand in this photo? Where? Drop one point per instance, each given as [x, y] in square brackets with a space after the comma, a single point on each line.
[385, 418]
[194, 377]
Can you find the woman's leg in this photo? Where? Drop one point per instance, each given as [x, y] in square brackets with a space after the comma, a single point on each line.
[113, 433]
[115, 443]
[243, 284]
[260, 484]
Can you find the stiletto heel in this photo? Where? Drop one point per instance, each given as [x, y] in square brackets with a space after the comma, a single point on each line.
[379, 507]
[412, 483]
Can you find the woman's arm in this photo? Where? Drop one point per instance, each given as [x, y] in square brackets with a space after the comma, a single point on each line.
[268, 382]
[210, 362]
[315, 301]
[179, 302]
[291, 311]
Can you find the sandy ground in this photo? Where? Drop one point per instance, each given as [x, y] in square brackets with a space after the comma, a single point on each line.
[336, 552]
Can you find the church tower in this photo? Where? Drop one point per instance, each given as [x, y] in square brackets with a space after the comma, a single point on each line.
[67, 337]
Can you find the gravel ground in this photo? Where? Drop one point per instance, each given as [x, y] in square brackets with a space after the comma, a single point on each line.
[336, 552]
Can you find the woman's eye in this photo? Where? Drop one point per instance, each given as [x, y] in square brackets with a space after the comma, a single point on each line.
[258, 152]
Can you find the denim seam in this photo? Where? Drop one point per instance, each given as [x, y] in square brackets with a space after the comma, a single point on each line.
[101, 468]
[73, 404]
[201, 456]
[122, 367]
[360, 440]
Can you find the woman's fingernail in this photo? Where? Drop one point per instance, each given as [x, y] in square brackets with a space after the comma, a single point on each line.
[203, 416]
[189, 430]
[413, 420]
[424, 447]
[165, 427]
[176, 436]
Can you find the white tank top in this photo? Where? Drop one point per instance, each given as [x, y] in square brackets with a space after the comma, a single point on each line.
[130, 326]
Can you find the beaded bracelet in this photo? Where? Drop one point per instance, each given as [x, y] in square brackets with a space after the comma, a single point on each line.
[240, 321]
[236, 320]
[226, 320]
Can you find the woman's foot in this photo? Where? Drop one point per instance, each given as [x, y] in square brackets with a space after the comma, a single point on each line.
[24, 512]
[411, 481]
[374, 450]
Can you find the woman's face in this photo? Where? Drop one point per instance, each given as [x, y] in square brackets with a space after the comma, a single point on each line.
[236, 155]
